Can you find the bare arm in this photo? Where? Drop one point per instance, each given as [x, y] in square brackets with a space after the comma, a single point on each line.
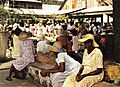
[96, 72]
[81, 69]
[57, 68]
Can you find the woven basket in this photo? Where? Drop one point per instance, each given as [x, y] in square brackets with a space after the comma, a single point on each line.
[45, 58]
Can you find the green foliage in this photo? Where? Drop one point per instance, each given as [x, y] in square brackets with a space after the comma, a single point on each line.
[39, 19]
[2, 2]
[6, 14]
[3, 14]
[34, 18]
[5, 59]
[62, 17]
[70, 15]
[117, 81]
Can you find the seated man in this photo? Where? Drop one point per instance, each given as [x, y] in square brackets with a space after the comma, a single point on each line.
[42, 45]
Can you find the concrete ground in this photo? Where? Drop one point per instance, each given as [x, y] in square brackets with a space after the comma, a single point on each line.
[105, 84]
[4, 70]
[14, 82]
[29, 83]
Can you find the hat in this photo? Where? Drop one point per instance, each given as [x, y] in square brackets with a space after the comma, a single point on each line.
[24, 35]
[56, 47]
[87, 37]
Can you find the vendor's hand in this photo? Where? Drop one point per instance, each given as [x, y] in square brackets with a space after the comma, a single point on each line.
[79, 77]
[43, 72]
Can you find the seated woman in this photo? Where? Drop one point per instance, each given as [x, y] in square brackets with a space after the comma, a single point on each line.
[91, 71]
[26, 52]
[64, 67]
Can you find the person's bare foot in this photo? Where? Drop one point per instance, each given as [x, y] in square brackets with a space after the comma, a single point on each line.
[8, 78]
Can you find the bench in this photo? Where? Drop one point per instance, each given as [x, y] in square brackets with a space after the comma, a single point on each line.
[34, 72]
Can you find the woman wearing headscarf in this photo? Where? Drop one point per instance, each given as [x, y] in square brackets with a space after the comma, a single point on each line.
[26, 54]
[91, 71]
[64, 67]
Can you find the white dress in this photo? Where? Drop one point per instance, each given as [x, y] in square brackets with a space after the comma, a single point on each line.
[91, 62]
[27, 55]
[71, 65]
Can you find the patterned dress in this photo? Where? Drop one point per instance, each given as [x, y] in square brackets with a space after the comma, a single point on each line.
[26, 55]
[91, 62]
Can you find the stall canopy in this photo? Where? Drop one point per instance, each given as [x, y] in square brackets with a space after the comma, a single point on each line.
[96, 10]
[42, 12]
[88, 11]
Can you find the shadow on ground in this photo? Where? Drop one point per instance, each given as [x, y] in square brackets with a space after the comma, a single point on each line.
[15, 82]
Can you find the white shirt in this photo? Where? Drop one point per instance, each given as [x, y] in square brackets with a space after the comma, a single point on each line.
[42, 46]
[70, 64]
[75, 43]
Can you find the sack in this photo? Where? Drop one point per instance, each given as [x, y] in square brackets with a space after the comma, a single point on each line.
[45, 58]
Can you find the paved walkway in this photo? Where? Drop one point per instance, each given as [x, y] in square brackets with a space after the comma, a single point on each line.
[14, 82]
[4, 70]
[6, 65]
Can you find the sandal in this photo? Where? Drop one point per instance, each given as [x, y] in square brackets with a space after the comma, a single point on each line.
[14, 76]
[8, 78]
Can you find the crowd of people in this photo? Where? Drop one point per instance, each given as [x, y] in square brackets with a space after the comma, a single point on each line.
[65, 32]
[79, 49]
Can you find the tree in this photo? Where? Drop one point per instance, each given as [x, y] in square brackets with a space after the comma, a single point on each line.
[6, 14]
[116, 25]
[2, 2]
[61, 17]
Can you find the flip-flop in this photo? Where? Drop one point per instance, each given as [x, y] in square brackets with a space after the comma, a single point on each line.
[8, 79]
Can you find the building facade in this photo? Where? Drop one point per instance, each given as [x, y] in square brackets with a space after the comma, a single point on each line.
[73, 4]
[98, 10]
[55, 2]
[31, 4]
[25, 4]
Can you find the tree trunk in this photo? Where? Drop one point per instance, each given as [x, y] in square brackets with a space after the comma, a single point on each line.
[116, 26]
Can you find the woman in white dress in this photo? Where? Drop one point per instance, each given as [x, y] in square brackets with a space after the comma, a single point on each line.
[26, 54]
[91, 71]
[64, 67]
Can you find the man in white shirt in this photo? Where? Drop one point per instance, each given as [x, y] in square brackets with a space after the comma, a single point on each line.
[42, 45]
